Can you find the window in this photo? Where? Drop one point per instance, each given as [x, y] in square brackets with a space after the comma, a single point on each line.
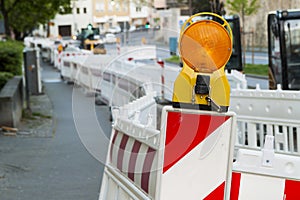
[117, 7]
[125, 6]
[78, 10]
[138, 9]
[84, 10]
[100, 7]
[110, 5]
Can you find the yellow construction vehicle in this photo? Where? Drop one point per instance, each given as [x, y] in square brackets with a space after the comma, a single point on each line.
[205, 46]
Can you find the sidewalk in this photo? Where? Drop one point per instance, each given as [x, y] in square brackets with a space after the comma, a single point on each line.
[46, 159]
[17, 149]
[40, 123]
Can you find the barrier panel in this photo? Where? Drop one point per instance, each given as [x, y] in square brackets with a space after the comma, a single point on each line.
[265, 175]
[236, 79]
[267, 112]
[190, 158]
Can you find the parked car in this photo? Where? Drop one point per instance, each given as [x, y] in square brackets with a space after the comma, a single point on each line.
[114, 29]
[110, 38]
[99, 49]
[132, 28]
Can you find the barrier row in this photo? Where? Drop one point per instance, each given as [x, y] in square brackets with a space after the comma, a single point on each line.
[118, 81]
[190, 156]
[174, 163]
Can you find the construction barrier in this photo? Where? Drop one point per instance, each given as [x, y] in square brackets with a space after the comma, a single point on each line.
[265, 174]
[185, 159]
[267, 112]
[190, 158]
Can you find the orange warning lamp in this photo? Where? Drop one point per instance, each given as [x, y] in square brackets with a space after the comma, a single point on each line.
[205, 46]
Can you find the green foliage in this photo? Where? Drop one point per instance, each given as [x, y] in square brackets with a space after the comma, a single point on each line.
[174, 59]
[23, 15]
[36, 12]
[254, 69]
[261, 70]
[4, 77]
[11, 57]
[244, 7]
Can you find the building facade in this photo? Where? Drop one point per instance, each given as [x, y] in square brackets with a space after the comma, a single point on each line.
[70, 24]
[103, 14]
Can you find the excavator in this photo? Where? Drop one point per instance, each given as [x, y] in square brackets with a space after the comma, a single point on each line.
[284, 49]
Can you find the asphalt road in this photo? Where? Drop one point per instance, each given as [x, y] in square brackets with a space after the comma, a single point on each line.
[61, 167]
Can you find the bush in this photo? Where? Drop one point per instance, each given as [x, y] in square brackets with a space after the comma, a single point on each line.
[11, 57]
[4, 77]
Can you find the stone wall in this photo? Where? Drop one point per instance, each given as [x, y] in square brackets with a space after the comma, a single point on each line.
[11, 102]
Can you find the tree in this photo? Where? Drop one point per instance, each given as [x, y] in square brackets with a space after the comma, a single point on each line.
[243, 8]
[214, 6]
[22, 16]
[200, 6]
[217, 7]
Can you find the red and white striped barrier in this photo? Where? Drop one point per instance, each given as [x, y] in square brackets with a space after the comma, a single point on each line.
[261, 187]
[190, 158]
[197, 156]
[264, 174]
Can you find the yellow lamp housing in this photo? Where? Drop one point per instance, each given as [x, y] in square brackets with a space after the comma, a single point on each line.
[205, 47]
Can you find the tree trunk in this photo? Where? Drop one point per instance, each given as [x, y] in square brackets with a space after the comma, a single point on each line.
[5, 17]
[18, 35]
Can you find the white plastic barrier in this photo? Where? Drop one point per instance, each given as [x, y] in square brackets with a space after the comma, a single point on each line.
[59, 56]
[190, 158]
[264, 174]
[122, 81]
[148, 74]
[267, 112]
[96, 69]
[142, 110]
[138, 52]
[236, 79]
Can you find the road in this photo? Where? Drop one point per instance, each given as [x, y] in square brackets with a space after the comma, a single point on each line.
[58, 167]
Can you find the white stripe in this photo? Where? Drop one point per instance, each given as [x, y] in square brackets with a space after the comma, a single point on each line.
[139, 164]
[127, 155]
[261, 187]
[202, 170]
[153, 177]
[115, 149]
[53, 80]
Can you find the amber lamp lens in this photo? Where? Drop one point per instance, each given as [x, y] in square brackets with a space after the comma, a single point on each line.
[205, 46]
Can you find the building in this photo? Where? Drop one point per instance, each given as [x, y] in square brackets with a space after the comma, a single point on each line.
[103, 14]
[120, 13]
[70, 24]
[110, 13]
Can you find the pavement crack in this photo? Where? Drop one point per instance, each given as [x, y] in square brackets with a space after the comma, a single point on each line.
[13, 168]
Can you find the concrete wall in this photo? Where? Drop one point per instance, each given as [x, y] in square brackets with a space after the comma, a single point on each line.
[11, 102]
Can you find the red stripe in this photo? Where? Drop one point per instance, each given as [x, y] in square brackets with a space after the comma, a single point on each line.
[133, 158]
[291, 190]
[235, 186]
[113, 144]
[121, 151]
[186, 131]
[147, 169]
[217, 194]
